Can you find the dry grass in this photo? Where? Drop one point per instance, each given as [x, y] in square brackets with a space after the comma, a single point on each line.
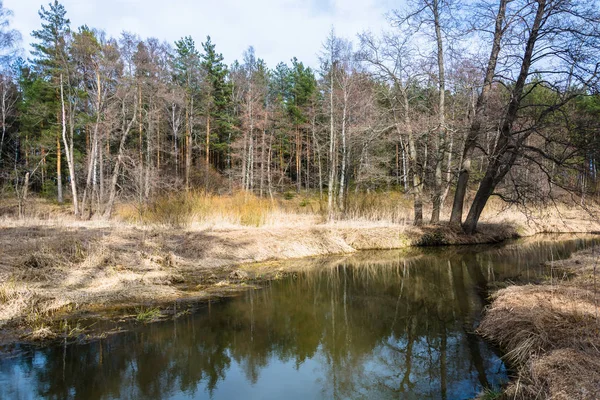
[392, 207]
[551, 334]
[562, 217]
[199, 209]
[52, 264]
[50, 270]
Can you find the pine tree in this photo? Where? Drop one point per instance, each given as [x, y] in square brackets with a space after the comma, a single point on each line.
[50, 62]
[303, 86]
[186, 64]
[217, 105]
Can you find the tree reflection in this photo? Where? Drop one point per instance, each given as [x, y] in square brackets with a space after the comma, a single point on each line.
[380, 325]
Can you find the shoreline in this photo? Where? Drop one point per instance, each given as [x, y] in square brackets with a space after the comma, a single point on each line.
[550, 332]
[52, 274]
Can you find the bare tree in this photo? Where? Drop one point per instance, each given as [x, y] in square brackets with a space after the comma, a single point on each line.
[388, 58]
[563, 34]
[478, 117]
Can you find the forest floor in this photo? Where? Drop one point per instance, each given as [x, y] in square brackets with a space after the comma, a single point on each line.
[551, 332]
[58, 268]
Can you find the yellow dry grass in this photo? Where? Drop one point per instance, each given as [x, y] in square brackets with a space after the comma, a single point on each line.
[51, 268]
[551, 333]
[203, 210]
[52, 263]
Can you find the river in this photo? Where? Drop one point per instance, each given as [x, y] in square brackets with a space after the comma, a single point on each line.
[375, 325]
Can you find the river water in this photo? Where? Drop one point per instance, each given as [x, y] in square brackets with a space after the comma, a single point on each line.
[376, 325]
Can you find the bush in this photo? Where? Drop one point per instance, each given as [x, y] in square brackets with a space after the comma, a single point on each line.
[434, 238]
[378, 206]
[179, 210]
[172, 210]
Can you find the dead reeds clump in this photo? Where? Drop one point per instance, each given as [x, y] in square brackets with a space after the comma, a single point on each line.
[393, 207]
[551, 337]
[179, 210]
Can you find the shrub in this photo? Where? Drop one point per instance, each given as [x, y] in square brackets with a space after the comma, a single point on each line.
[434, 238]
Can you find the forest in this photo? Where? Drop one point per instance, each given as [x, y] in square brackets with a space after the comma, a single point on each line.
[449, 104]
[268, 220]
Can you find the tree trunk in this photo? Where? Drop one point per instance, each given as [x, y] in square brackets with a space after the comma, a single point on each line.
[449, 172]
[23, 197]
[262, 157]
[59, 188]
[115, 175]
[416, 176]
[298, 160]
[269, 157]
[318, 150]
[188, 146]
[499, 164]
[92, 162]
[4, 112]
[148, 170]
[140, 142]
[344, 153]
[332, 163]
[69, 150]
[207, 155]
[475, 129]
[101, 174]
[441, 136]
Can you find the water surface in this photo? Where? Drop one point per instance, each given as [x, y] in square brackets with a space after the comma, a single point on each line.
[377, 325]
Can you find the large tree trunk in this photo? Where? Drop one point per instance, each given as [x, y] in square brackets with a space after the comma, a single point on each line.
[441, 136]
[475, 129]
[504, 155]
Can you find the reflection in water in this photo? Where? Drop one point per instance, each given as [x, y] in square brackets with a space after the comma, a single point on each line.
[376, 325]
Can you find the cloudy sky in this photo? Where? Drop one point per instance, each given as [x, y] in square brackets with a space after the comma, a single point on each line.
[278, 29]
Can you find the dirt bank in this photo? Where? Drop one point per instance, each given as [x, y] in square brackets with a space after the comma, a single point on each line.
[50, 270]
[551, 332]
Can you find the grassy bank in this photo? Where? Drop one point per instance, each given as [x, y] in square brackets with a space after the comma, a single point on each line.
[551, 332]
[50, 271]
[191, 247]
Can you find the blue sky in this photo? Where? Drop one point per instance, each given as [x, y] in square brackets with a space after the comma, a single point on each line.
[278, 29]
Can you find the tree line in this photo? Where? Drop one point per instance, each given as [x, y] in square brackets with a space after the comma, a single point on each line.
[500, 96]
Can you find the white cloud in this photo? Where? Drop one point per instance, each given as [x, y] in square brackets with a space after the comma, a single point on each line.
[278, 29]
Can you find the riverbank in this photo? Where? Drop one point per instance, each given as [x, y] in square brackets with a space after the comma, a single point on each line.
[52, 270]
[551, 332]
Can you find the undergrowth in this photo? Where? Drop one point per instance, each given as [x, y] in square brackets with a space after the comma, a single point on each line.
[180, 210]
[147, 314]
